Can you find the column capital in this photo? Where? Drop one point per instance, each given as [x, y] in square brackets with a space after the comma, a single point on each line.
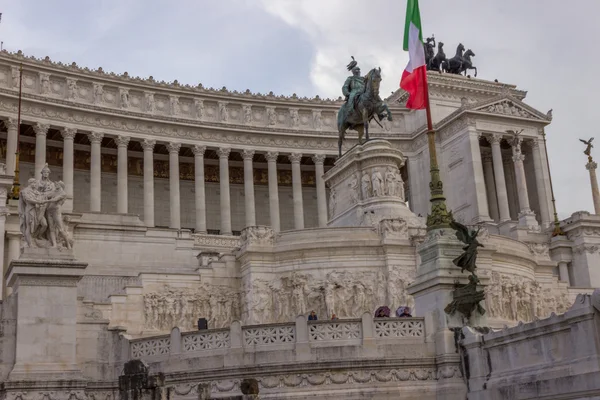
[591, 165]
[10, 123]
[95, 137]
[173, 147]
[319, 158]
[199, 150]
[122, 141]
[295, 157]
[248, 154]
[41, 129]
[535, 144]
[272, 156]
[148, 144]
[223, 152]
[495, 138]
[518, 157]
[68, 133]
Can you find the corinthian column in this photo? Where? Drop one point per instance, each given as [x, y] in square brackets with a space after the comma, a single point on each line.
[224, 185]
[540, 184]
[319, 159]
[501, 192]
[175, 221]
[199, 188]
[271, 157]
[591, 166]
[95, 171]
[41, 130]
[488, 173]
[122, 142]
[297, 190]
[249, 187]
[148, 146]
[11, 145]
[68, 135]
[526, 216]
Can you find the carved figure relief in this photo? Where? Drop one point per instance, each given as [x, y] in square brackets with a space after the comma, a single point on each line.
[348, 295]
[377, 183]
[223, 111]
[258, 235]
[124, 94]
[199, 104]
[365, 183]
[332, 202]
[174, 105]
[294, 118]
[247, 108]
[271, 116]
[507, 108]
[172, 307]
[150, 106]
[512, 298]
[98, 93]
[71, 89]
[353, 189]
[390, 182]
[15, 76]
[318, 123]
[45, 83]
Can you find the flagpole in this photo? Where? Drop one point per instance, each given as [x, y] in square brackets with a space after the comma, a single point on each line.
[15, 188]
[557, 229]
[439, 217]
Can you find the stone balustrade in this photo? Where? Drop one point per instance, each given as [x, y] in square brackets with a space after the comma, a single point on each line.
[277, 337]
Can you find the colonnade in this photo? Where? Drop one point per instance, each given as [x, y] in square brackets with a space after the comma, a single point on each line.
[174, 148]
[496, 188]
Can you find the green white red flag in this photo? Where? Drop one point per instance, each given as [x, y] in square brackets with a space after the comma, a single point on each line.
[414, 78]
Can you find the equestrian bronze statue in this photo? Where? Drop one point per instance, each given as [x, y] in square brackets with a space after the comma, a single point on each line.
[362, 103]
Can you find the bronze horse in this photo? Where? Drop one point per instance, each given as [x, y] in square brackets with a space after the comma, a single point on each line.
[367, 105]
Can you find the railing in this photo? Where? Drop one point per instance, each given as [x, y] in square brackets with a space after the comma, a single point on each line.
[258, 338]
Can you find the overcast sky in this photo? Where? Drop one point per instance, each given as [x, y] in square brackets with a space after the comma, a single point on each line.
[302, 46]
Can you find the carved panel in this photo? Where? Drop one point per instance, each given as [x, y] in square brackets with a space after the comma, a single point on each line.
[269, 335]
[399, 328]
[334, 331]
[150, 347]
[206, 341]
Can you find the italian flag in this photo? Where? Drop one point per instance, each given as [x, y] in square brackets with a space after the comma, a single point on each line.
[414, 78]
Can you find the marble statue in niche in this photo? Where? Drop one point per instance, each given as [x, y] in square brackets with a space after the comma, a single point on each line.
[98, 93]
[390, 182]
[353, 189]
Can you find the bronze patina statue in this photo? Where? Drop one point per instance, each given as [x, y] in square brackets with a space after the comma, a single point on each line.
[589, 146]
[460, 62]
[467, 297]
[362, 103]
[468, 259]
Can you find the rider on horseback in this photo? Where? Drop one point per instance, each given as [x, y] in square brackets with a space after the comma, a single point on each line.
[354, 85]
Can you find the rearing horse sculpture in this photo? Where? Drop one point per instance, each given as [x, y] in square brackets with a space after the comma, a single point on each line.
[367, 106]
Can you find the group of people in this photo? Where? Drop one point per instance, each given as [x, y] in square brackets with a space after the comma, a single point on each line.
[381, 312]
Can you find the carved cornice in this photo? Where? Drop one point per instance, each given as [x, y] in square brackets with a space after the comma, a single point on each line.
[58, 68]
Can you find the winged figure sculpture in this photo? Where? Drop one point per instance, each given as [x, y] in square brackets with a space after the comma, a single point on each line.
[588, 149]
[468, 258]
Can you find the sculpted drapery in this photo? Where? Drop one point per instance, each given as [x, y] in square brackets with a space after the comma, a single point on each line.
[41, 220]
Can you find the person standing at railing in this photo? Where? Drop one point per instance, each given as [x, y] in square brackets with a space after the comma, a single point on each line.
[312, 316]
[333, 317]
[403, 312]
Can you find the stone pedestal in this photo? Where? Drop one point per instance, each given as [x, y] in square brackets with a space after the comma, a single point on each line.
[366, 186]
[44, 283]
[582, 230]
[433, 289]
